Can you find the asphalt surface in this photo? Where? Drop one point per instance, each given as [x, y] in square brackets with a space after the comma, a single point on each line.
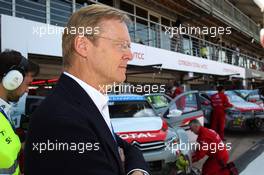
[246, 146]
[252, 161]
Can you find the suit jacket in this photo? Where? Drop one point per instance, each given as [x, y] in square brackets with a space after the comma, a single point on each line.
[66, 120]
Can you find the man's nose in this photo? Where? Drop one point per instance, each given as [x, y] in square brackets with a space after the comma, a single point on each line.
[130, 54]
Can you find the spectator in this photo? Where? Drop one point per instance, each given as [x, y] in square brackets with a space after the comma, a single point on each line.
[204, 51]
[237, 54]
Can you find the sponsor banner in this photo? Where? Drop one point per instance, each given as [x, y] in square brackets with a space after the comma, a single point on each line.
[145, 55]
[250, 73]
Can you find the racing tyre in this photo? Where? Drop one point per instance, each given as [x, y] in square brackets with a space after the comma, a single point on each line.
[169, 169]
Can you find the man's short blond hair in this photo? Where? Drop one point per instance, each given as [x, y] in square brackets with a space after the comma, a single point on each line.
[90, 16]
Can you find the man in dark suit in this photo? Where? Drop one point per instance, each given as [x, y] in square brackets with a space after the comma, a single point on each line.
[71, 133]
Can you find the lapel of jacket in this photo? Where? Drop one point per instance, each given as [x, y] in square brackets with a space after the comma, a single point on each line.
[92, 112]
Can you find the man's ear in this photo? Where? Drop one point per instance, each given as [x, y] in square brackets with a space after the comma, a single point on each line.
[262, 37]
[82, 46]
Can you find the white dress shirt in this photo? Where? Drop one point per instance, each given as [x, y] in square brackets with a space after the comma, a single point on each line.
[100, 100]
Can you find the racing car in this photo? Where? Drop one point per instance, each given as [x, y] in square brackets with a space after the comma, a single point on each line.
[244, 114]
[253, 96]
[135, 121]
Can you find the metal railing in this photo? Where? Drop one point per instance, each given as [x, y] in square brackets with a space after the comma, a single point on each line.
[153, 34]
[141, 31]
[231, 14]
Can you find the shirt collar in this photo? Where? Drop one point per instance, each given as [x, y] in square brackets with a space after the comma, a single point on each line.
[100, 100]
[6, 107]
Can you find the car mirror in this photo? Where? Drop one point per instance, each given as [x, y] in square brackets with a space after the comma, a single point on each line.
[174, 113]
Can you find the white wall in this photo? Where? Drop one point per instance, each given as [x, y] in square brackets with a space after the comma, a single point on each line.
[20, 34]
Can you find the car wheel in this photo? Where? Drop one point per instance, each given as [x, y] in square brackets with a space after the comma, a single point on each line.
[258, 123]
[255, 124]
[169, 169]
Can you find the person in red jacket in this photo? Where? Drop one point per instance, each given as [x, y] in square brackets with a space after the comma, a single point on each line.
[176, 91]
[210, 144]
[262, 37]
[220, 103]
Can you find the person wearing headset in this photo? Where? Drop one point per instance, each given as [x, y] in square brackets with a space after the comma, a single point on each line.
[16, 74]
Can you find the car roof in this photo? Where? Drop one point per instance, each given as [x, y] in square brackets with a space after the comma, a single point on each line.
[126, 97]
[152, 94]
[210, 92]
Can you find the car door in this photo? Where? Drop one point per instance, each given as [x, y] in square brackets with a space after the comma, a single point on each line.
[206, 107]
[189, 105]
[159, 102]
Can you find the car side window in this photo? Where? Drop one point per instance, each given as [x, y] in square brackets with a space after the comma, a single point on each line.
[129, 109]
[205, 96]
[158, 101]
[204, 101]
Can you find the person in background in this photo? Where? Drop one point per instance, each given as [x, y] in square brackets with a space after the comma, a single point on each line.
[217, 156]
[262, 37]
[237, 55]
[204, 51]
[16, 74]
[176, 89]
[220, 103]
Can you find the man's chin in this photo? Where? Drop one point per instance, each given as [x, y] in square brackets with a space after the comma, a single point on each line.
[121, 78]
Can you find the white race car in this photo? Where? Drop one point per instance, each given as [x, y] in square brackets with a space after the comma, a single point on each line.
[135, 121]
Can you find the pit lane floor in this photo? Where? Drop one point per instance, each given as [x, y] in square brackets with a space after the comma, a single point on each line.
[242, 142]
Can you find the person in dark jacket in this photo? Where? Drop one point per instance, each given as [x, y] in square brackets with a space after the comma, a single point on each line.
[71, 132]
